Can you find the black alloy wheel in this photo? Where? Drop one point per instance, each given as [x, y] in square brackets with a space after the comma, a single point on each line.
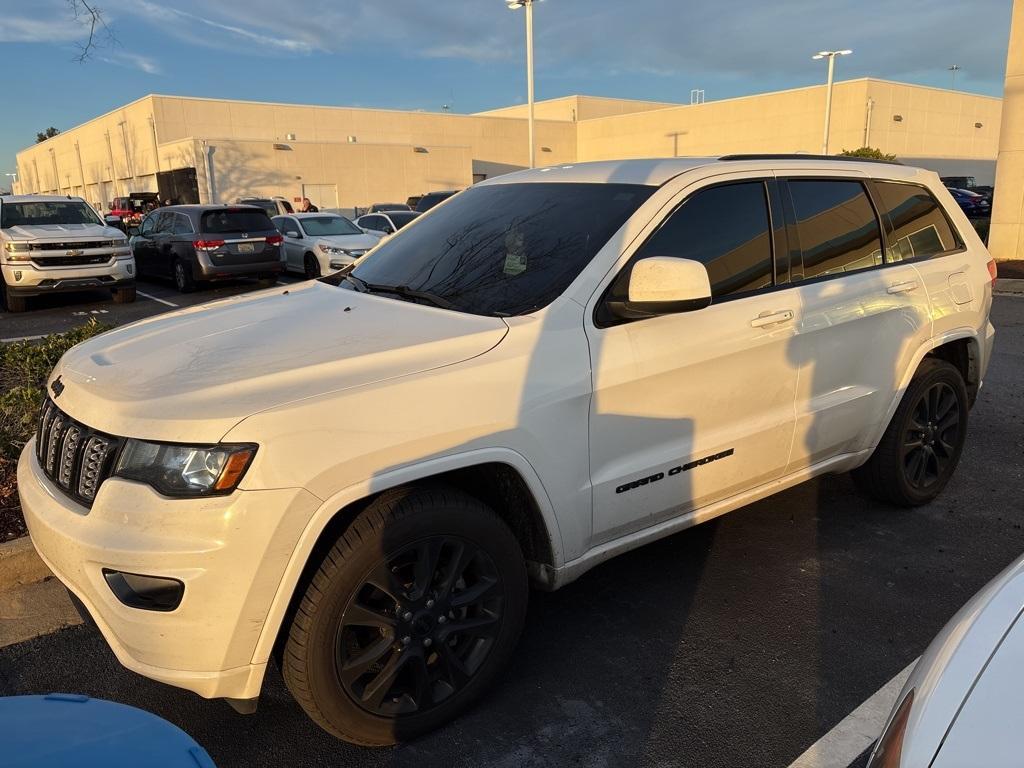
[420, 626]
[932, 436]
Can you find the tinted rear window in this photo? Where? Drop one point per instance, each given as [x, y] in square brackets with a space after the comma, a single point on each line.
[237, 220]
[920, 228]
[837, 226]
[505, 249]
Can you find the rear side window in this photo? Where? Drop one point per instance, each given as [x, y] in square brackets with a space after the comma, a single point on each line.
[837, 226]
[182, 225]
[727, 229]
[920, 228]
[235, 220]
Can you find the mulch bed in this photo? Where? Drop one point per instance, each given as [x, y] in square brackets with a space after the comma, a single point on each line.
[12, 525]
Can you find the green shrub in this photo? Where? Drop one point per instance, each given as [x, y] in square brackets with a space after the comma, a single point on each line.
[24, 368]
[868, 152]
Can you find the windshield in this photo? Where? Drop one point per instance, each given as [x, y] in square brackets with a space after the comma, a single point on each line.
[324, 226]
[504, 249]
[40, 213]
[235, 220]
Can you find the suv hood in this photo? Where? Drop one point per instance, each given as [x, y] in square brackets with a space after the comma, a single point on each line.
[191, 375]
[57, 231]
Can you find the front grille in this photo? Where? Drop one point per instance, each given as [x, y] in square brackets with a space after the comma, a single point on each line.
[73, 245]
[78, 459]
[72, 261]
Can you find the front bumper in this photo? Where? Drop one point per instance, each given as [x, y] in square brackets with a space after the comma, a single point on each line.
[27, 279]
[230, 553]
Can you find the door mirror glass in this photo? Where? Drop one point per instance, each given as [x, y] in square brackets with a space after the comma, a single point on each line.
[293, 234]
[661, 285]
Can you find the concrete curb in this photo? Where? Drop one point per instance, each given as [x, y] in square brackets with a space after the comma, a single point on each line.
[20, 565]
[1009, 285]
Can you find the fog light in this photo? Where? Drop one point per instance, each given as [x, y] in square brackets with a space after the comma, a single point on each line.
[131, 269]
[148, 593]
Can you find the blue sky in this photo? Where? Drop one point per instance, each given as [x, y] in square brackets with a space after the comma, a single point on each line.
[416, 54]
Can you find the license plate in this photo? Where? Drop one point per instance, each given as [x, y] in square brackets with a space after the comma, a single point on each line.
[246, 248]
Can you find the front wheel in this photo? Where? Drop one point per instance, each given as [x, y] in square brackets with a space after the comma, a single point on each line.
[14, 302]
[921, 446]
[311, 266]
[410, 617]
[183, 279]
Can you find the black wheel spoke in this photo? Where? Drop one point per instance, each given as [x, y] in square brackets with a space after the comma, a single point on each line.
[460, 558]
[484, 588]
[427, 557]
[375, 690]
[455, 672]
[360, 615]
[383, 579]
[949, 421]
[355, 668]
[484, 625]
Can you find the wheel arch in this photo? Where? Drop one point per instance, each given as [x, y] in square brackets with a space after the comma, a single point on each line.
[502, 479]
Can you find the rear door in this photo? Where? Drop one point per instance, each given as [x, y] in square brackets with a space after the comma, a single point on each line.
[692, 408]
[861, 315]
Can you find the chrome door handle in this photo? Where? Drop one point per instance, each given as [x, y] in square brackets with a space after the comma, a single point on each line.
[772, 318]
[907, 287]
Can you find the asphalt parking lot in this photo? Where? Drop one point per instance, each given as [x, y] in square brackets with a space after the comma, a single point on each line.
[62, 312]
[736, 643]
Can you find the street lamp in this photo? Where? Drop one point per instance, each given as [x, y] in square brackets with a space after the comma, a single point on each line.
[831, 56]
[528, 5]
[954, 69]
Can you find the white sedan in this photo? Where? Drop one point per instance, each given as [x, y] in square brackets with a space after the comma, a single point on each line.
[962, 705]
[319, 243]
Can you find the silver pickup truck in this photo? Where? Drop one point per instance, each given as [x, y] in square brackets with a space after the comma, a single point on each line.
[51, 244]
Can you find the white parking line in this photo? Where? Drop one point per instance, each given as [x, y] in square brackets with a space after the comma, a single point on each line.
[155, 298]
[23, 338]
[857, 731]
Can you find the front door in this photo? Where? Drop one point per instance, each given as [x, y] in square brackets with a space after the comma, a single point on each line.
[692, 408]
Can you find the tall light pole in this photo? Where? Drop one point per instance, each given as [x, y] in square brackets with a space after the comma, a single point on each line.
[831, 56]
[528, 5]
[954, 69]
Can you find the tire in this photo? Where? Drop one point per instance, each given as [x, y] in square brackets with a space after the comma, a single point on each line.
[124, 295]
[183, 279]
[921, 446]
[267, 280]
[453, 632]
[312, 266]
[13, 302]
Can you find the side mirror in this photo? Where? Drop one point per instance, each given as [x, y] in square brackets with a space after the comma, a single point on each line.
[293, 234]
[664, 285]
[133, 231]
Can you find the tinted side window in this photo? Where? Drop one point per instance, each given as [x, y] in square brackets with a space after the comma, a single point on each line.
[725, 228]
[182, 225]
[920, 228]
[837, 226]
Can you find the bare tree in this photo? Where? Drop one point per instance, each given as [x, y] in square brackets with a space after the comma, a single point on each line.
[90, 15]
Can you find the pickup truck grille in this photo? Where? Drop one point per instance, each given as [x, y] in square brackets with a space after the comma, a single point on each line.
[71, 261]
[71, 245]
[76, 458]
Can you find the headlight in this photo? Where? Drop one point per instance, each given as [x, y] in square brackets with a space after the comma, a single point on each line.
[17, 251]
[184, 470]
[331, 250]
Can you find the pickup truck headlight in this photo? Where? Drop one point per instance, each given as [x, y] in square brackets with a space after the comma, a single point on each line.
[17, 251]
[185, 470]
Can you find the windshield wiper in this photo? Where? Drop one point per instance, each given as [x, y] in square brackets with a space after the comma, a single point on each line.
[403, 291]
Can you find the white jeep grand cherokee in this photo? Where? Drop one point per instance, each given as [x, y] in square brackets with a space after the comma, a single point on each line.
[357, 475]
[54, 244]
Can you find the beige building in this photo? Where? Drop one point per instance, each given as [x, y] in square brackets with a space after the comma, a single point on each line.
[219, 150]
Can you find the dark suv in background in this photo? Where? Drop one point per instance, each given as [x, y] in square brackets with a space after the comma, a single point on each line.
[194, 243]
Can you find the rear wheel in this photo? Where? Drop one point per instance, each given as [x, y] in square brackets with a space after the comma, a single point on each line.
[921, 446]
[125, 295]
[410, 617]
[183, 279]
[312, 266]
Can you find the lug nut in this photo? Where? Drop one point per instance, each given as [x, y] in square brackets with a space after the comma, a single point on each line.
[430, 603]
[406, 640]
[426, 642]
[407, 615]
[442, 619]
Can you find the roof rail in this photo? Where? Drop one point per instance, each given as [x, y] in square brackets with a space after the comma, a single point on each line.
[796, 156]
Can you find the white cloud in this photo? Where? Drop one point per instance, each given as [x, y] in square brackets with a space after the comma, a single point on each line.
[24, 29]
[131, 60]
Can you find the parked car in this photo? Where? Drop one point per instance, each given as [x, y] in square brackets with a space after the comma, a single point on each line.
[274, 206]
[431, 199]
[359, 475]
[131, 208]
[318, 243]
[961, 705]
[974, 205]
[969, 183]
[412, 201]
[386, 223]
[378, 207]
[55, 244]
[196, 243]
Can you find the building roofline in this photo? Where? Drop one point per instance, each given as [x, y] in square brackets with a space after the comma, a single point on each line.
[108, 113]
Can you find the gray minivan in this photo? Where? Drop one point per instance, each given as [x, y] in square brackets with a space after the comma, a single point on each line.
[196, 243]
